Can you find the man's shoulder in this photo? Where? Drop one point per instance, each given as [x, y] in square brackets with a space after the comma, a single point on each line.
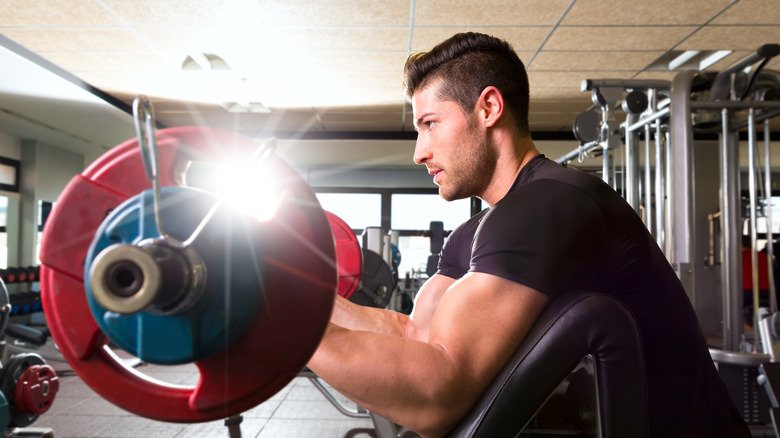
[470, 225]
[547, 169]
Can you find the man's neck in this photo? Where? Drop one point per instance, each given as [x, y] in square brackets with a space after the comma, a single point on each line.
[510, 162]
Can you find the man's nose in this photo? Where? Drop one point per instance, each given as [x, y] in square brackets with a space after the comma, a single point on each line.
[422, 152]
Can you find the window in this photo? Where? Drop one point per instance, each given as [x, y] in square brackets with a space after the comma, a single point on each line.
[358, 210]
[416, 211]
[414, 255]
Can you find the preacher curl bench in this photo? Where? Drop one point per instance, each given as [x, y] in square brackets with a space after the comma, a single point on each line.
[581, 335]
[575, 326]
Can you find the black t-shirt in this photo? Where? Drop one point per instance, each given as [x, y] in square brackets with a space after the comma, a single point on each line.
[558, 230]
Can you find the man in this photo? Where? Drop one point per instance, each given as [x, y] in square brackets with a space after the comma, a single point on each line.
[548, 230]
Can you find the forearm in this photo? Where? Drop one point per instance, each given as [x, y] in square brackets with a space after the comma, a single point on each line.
[409, 382]
[355, 317]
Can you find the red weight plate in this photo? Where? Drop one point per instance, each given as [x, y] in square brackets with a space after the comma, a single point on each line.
[349, 257]
[35, 391]
[297, 298]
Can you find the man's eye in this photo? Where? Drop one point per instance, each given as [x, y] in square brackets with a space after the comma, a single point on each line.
[430, 124]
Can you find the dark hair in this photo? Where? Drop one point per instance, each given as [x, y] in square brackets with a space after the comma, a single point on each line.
[468, 63]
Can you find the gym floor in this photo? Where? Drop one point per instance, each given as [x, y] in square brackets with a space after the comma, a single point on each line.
[298, 410]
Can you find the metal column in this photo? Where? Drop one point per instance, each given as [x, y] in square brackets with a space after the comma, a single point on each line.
[731, 236]
[631, 166]
[768, 218]
[681, 224]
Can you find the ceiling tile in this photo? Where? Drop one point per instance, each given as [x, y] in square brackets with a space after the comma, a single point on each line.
[359, 61]
[334, 13]
[75, 40]
[359, 79]
[488, 12]
[254, 43]
[187, 39]
[616, 38]
[601, 61]
[576, 104]
[731, 38]
[570, 79]
[264, 12]
[751, 12]
[643, 12]
[192, 12]
[55, 13]
[76, 62]
[557, 93]
[364, 39]
[521, 39]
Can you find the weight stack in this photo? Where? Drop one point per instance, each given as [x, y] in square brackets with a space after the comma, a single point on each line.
[739, 372]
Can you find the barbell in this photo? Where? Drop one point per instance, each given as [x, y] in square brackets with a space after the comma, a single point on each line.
[173, 274]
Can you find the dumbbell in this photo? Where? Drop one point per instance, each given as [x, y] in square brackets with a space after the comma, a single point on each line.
[12, 275]
[32, 273]
[29, 386]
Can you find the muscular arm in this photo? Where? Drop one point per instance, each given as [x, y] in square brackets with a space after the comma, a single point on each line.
[427, 385]
[355, 317]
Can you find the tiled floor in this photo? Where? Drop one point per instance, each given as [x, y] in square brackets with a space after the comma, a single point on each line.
[298, 410]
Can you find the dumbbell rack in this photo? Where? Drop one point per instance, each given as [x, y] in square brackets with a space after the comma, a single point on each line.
[20, 337]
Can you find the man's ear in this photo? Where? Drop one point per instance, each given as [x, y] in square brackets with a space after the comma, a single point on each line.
[490, 106]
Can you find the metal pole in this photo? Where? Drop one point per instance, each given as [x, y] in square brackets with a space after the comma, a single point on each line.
[648, 184]
[731, 235]
[753, 222]
[768, 218]
[630, 167]
[682, 226]
[665, 211]
[647, 119]
[577, 152]
[618, 176]
[660, 191]
[605, 157]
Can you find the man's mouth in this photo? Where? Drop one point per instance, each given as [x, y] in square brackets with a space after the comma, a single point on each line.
[434, 173]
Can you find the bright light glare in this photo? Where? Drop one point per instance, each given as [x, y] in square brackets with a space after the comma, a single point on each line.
[249, 187]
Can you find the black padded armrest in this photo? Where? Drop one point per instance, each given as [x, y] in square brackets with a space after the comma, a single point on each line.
[574, 325]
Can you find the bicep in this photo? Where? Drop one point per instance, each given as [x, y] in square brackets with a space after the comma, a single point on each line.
[480, 322]
[425, 304]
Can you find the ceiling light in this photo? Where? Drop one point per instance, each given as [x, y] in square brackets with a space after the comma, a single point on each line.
[204, 61]
[676, 60]
[713, 58]
[682, 58]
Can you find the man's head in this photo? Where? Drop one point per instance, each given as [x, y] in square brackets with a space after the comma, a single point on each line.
[467, 63]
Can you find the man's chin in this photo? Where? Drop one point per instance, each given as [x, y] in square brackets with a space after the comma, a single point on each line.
[449, 196]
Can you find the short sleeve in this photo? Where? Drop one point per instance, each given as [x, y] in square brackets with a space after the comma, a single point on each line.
[456, 252]
[541, 235]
